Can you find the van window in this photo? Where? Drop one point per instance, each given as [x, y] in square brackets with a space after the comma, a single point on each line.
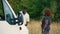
[9, 17]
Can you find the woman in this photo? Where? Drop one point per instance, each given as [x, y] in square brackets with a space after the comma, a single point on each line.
[46, 22]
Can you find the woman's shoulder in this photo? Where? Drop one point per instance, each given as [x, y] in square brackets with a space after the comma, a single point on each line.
[45, 17]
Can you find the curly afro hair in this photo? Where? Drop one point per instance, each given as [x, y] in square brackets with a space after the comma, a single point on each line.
[47, 12]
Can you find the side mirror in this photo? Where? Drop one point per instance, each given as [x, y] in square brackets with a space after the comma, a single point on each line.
[20, 19]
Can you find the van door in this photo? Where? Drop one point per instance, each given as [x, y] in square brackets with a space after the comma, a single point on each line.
[7, 20]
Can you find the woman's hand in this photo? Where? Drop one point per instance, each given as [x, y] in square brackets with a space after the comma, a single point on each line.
[43, 30]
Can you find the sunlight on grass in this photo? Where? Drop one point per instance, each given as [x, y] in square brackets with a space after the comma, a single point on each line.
[35, 27]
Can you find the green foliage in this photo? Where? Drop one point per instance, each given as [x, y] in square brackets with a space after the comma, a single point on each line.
[1, 8]
[36, 7]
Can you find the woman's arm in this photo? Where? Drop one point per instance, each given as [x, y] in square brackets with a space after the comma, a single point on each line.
[46, 23]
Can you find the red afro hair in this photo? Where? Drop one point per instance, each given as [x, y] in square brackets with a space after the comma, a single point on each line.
[47, 12]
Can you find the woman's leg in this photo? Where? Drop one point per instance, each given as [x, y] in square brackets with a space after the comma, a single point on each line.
[45, 32]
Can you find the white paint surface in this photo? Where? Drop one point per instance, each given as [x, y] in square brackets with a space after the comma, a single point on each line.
[5, 28]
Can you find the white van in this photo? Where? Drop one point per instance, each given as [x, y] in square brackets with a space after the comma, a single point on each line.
[10, 23]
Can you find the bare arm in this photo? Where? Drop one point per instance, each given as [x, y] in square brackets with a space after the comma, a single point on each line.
[46, 23]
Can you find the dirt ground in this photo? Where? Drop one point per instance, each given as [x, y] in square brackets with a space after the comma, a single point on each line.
[35, 27]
